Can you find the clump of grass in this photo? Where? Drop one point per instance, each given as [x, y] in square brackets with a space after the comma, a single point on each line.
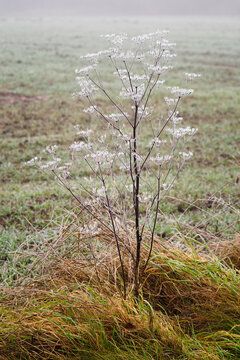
[189, 305]
[228, 251]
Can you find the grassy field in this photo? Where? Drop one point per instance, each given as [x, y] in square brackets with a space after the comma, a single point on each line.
[38, 58]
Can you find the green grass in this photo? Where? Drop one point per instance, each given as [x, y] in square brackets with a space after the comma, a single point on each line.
[38, 59]
[188, 309]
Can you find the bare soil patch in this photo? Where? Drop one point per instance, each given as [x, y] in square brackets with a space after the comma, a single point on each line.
[12, 98]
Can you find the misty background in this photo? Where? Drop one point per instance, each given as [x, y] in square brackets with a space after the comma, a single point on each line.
[22, 8]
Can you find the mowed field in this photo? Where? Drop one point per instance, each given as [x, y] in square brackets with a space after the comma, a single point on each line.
[37, 60]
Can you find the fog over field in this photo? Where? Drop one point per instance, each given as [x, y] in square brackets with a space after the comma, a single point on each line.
[121, 8]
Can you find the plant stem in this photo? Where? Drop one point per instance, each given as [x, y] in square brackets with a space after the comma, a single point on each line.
[136, 205]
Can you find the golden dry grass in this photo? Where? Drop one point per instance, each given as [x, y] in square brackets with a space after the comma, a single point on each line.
[189, 306]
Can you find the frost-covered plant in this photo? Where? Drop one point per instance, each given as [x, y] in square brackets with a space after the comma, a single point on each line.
[137, 159]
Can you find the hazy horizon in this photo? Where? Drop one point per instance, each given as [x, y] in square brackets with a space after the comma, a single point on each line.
[25, 8]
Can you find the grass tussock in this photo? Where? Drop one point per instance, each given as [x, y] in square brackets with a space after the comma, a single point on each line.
[229, 251]
[189, 306]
